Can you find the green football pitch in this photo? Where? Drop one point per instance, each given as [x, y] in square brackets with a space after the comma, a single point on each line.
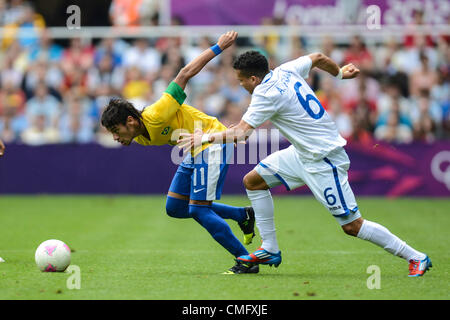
[127, 248]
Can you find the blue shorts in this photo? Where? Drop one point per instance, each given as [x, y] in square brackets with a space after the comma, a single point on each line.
[202, 177]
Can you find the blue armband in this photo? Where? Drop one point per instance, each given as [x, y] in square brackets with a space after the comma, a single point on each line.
[216, 49]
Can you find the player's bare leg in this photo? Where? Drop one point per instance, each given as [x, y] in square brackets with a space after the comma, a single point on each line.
[379, 235]
[178, 196]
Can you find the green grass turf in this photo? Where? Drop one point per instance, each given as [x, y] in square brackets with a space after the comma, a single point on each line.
[127, 248]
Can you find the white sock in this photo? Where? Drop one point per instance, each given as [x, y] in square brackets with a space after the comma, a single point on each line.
[382, 237]
[262, 204]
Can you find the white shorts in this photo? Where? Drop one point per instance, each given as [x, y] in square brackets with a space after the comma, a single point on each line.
[326, 178]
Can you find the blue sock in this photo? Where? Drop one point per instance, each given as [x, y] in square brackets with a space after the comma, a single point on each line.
[218, 228]
[177, 208]
[229, 212]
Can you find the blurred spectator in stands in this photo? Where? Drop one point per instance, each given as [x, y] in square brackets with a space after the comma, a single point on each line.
[423, 78]
[412, 56]
[341, 118]
[134, 13]
[364, 104]
[403, 118]
[14, 12]
[46, 49]
[75, 125]
[424, 107]
[10, 73]
[227, 57]
[149, 13]
[163, 44]
[361, 127]
[214, 101]
[412, 35]
[112, 47]
[443, 51]
[297, 48]
[391, 95]
[424, 129]
[172, 56]
[74, 77]
[12, 119]
[75, 62]
[12, 96]
[389, 61]
[22, 22]
[3, 11]
[446, 126]
[384, 54]
[100, 100]
[426, 119]
[359, 55]
[44, 105]
[40, 132]
[29, 24]
[231, 113]
[270, 42]
[78, 92]
[231, 90]
[326, 92]
[105, 74]
[125, 12]
[43, 72]
[141, 56]
[363, 86]
[7, 132]
[394, 131]
[135, 85]
[166, 75]
[79, 55]
[18, 57]
[440, 93]
[136, 89]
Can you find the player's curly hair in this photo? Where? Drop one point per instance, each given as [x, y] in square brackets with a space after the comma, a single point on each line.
[117, 112]
[252, 63]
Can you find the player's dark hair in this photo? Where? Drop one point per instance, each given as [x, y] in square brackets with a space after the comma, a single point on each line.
[252, 63]
[117, 112]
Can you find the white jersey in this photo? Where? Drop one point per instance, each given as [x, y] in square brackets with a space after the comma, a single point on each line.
[285, 98]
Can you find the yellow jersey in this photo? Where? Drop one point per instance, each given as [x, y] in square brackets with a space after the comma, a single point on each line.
[169, 116]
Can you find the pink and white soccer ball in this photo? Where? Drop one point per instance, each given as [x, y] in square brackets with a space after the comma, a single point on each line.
[52, 256]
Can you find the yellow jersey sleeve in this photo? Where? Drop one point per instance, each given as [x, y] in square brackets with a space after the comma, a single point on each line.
[167, 106]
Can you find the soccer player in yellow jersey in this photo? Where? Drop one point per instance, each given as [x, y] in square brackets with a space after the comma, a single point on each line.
[200, 177]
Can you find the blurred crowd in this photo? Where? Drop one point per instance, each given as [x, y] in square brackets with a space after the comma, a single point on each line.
[55, 91]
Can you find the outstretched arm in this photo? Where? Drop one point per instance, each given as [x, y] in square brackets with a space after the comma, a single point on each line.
[166, 107]
[237, 134]
[325, 63]
[196, 65]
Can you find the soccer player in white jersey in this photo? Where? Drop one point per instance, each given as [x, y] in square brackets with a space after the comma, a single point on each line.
[315, 158]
